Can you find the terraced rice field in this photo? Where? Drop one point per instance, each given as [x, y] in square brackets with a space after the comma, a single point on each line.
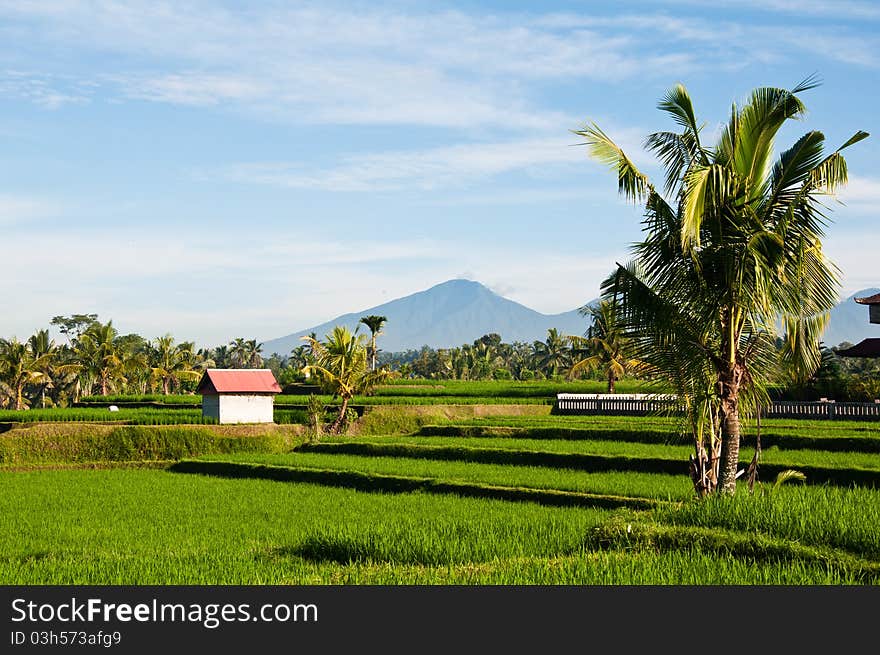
[537, 499]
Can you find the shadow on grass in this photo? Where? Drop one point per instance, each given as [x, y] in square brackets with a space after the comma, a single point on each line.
[403, 484]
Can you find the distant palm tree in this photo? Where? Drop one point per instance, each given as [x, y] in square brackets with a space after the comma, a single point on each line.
[245, 353]
[375, 324]
[170, 363]
[19, 368]
[553, 354]
[341, 365]
[101, 359]
[605, 347]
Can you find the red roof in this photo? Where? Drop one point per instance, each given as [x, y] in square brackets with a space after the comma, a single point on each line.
[870, 300]
[865, 348]
[238, 380]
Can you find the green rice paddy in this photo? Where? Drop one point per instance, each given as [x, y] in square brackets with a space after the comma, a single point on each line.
[425, 507]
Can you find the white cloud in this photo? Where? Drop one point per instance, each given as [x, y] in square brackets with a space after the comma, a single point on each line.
[46, 91]
[425, 169]
[862, 192]
[855, 253]
[460, 165]
[318, 64]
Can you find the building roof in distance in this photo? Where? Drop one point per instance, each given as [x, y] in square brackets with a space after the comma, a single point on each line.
[869, 300]
[865, 348]
[238, 380]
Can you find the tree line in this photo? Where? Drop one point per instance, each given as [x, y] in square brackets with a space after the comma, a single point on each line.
[95, 359]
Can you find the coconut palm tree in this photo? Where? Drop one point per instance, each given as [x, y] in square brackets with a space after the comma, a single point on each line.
[552, 354]
[375, 324]
[733, 245]
[245, 353]
[604, 346]
[341, 365]
[170, 363]
[100, 356]
[19, 368]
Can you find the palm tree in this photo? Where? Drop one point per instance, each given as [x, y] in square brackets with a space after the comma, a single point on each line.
[19, 368]
[341, 365]
[375, 324]
[553, 354]
[170, 363]
[605, 346]
[735, 248]
[245, 353]
[40, 345]
[101, 358]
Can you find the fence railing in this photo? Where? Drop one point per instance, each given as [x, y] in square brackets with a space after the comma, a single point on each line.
[640, 404]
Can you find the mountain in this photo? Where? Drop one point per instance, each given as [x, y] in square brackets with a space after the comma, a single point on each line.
[446, 315]
[849, 321]
[460, 311]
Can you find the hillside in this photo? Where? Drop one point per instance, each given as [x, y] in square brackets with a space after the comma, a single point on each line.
[459, 311]
[446, 315]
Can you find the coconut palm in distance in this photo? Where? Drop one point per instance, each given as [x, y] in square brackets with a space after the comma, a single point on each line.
[553, 354]
[732, 245]
[605, 347]
[19, 368]
[101, 358]
[170, 363]
[375, 324]
[341, 365]
[246, 353]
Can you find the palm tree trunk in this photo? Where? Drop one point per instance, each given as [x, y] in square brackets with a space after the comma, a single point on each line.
[19, 392]
[730, 434]
[610, 382]
[337, 424]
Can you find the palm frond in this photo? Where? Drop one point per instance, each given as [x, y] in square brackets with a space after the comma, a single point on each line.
[678, 104]
[632, 184]
[788, 475]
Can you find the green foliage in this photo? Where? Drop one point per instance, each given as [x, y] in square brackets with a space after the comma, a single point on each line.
[315, 411]
[340, 363]
[441, 519]
[136, 416]
[127, 443]
[835, 516]
[732, 248]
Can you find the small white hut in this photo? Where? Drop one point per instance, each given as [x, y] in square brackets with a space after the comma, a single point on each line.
[238, 395]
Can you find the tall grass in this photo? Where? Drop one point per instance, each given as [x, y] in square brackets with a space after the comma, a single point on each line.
[128, 443]
[174, 529]
[423, 446]
[503, 388]
[645, 485]
[839, 517]
[168, 528]
[133, 416]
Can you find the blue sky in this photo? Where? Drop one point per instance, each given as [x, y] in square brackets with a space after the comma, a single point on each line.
[217, 170]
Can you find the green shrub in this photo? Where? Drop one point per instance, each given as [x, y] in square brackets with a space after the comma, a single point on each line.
[128, 443]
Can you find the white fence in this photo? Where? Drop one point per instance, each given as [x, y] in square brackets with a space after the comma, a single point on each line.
[642, 404]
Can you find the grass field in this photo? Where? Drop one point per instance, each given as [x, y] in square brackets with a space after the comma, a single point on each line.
[430, 492]
[130, 527]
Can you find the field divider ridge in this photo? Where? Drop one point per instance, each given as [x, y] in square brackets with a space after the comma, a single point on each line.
[372, 482]
[581, 462]
[861, 444]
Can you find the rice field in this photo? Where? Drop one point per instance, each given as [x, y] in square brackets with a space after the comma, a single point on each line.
[56, 529]
[483, 494]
